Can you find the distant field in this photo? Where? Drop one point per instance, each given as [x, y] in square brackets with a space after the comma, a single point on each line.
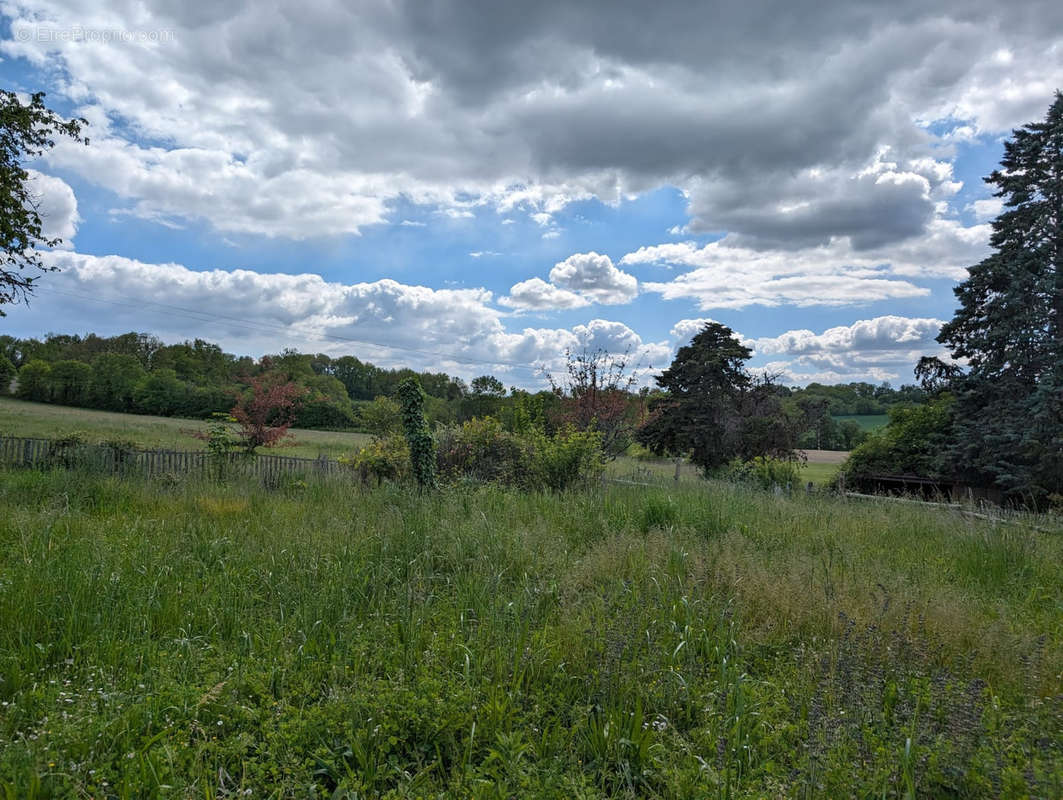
[20, 418]
[869, 422]
[820, 468]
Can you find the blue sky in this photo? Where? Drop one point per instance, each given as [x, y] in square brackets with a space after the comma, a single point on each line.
[478, 188]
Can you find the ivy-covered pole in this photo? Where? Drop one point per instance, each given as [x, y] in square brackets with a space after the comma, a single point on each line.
[422, 448]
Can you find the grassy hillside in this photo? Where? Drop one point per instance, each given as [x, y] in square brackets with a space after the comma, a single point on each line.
[318, 641]
[21, 418]
[869, 422]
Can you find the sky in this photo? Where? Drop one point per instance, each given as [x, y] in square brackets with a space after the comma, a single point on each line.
[475, 187]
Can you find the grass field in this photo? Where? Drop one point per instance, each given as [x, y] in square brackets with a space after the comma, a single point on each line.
[819, 467]
[21, 418]
[869, 422]
[184, 640]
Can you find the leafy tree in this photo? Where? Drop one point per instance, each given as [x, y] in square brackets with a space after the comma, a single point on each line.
[713, 409]
[70, 382]
[160, 392]
[382, 416]
[7, 374]
[595, 394]
[914, 442]
[33, 383]
[266, 411]
[488, 385]
[1009, 326]
[422, 448]
[26, 132]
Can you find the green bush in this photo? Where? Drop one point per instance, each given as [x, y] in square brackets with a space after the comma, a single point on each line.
[384, 458]
[480, 449]
[763, 472]
[912, 444]
[566, 458]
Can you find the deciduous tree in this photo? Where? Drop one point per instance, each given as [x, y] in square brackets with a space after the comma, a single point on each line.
[266, 411]
[595, 395]
[27, 130]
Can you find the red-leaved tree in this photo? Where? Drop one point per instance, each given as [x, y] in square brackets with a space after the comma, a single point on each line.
[596, 395]
[266, 411]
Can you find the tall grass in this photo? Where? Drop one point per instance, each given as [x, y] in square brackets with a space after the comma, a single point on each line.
[182, 639]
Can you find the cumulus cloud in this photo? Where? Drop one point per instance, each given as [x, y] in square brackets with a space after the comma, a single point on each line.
[535, 293]
[888, 333]
[594, 276]
[391, 323]
[883, 348]
[579, 280]
[790, 125]
[729, 274]
[56, 205]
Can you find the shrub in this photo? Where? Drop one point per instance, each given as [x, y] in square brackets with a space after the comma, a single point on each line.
[912, 444]
[482, 450]
[560, 461]
[384, 458]
[762, 471]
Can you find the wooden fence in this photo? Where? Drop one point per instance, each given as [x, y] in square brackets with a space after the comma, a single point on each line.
[34, 453]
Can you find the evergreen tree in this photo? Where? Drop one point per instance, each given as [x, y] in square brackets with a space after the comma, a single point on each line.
[1008, 427]
[714, 410]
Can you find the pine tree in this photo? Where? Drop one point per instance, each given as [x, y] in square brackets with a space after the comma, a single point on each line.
[1009, 327]
[714, 410]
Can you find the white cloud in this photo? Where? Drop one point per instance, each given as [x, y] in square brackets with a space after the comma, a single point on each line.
[887, 333]
[594, 276]
[883, 348]
[257, 119]
[388, 322]
[579, 280]
[685, 330]
[987, 208]
[726, 276]
[56, 205]
[535, 293]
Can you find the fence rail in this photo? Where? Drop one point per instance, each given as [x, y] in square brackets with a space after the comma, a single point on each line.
[18, 451]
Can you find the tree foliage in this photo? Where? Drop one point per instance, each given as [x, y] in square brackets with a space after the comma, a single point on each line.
[266, 411]
[713, 409]
[419, 438]
[595, 393]
[27, 130]
[1009, 326]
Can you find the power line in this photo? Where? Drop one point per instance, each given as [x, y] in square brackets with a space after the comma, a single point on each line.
[266, 327]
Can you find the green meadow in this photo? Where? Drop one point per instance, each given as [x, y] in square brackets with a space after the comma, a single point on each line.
[181, 639]
[44, 420]
[869, 422]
